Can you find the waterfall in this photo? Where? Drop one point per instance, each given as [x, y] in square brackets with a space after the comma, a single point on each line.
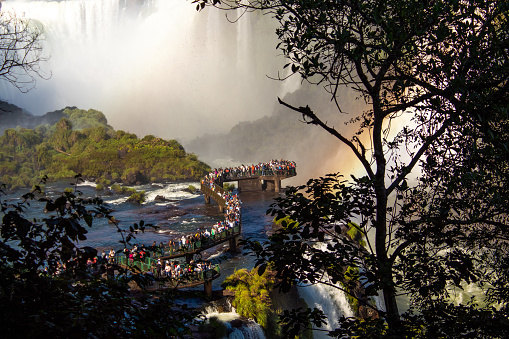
[332, 301]
[226, 313]
[153, 66]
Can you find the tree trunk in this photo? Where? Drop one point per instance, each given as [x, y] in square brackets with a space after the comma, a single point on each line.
[385, 266]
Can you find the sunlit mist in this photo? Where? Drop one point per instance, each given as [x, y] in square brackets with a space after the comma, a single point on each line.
[153, 66]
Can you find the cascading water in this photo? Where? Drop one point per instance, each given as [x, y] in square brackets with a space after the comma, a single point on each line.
[153, 66]
[249, 329]
[332, 301]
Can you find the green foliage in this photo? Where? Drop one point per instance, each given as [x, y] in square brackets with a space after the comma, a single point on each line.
[138, 197]
[119, 189]
[191, 188]
[99, 187]
[228, 187]
[251, 294]
[432, 147]
[356, 234]
[82, 142]
[214, 327]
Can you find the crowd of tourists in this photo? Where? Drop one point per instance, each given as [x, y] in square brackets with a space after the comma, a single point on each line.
[273, 167]
[175, 269]
[204, 236]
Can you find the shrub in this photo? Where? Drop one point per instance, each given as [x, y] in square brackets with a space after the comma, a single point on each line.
[214, 327]
[229, 187]
[138, 197]
[251, 294]
[355, 233]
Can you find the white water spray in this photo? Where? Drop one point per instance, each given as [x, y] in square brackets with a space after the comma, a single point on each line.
[331, 300]
[153, 66]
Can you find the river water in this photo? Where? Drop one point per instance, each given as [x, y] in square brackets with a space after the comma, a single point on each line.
[182, 213]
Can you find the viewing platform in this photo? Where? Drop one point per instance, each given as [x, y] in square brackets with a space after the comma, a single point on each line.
[256, 178]
[188, 274]
[155, 260]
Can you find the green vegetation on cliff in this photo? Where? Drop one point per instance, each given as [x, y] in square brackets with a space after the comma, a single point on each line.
[257, 297]
[83, 142]
[252, 298]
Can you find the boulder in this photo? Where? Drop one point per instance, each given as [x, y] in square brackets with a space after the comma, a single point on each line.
[236, 323]
[160, 198]
[135, 178]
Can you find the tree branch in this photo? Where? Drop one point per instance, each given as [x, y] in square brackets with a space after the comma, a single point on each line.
[307, 112]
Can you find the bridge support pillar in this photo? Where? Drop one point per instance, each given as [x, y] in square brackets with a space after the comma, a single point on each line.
[233, 244]
[207, 288]
[221, 208]
[189, 257]
[277, 185]
[207, 198]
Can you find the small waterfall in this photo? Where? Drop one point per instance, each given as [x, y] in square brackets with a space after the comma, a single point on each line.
[332, 301]
[250, 330]
[237, 329]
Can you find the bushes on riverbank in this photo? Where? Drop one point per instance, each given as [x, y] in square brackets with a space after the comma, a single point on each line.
[256, 298]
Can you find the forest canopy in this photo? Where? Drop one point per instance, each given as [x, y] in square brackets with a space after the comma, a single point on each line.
[83, 143]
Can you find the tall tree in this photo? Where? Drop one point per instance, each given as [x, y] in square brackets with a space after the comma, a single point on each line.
[433, 198]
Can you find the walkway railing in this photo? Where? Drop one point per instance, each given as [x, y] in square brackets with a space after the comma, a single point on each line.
[176, 251]
[148, 263]
[151, 266]
[216, 192]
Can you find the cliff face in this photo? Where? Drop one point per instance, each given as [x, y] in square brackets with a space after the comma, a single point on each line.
[283, 134]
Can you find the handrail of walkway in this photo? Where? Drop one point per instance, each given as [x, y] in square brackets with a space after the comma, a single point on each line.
[217, 193]
[149, 262]
[169, 252]
[145, 267]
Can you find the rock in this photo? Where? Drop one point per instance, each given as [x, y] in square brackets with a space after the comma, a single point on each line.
[135, 178]
[236, 323]
[160, 198]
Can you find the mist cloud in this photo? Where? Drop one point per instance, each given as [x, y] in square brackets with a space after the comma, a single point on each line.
[154, 67]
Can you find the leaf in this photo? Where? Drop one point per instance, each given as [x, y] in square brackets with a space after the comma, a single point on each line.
[262, 269]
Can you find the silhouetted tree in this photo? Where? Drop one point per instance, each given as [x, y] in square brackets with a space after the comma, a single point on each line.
[48, 290]
[433, 199]
[21, 51]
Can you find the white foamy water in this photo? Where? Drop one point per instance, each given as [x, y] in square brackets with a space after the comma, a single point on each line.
[115, 201]
[87, 183]
[249, 330]
[330, 299]
[172, 192]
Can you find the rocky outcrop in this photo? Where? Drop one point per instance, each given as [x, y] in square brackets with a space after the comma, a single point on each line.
[135, 178]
